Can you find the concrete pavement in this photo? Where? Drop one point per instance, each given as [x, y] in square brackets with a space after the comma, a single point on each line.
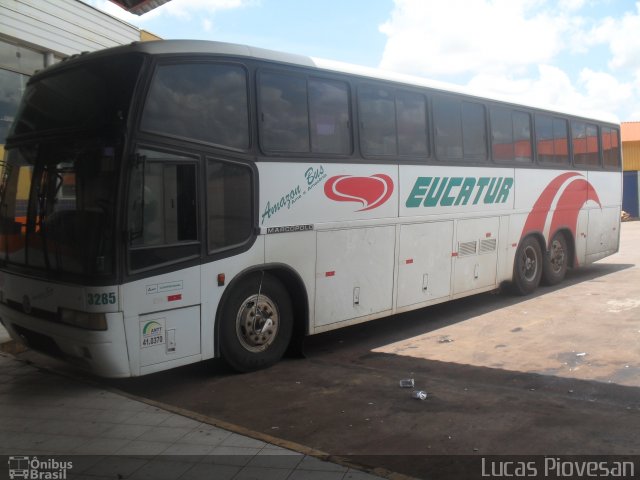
[106, 435]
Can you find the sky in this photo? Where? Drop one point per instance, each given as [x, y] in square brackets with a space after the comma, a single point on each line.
[578, 55]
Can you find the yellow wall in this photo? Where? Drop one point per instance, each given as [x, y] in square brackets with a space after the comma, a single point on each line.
[631, 156]
[148, 36]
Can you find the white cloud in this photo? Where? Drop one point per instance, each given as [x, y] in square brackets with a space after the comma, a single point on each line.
[186, 8]
[604, 89]
[431, 37]
[623, 39]
[534, 51]
[551, 87]
[571, 5]
[595, 93]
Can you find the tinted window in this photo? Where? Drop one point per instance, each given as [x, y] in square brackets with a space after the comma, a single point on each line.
[474, 131]
[283, 113]
[522, 137]
[377, 121]
[329, 115]
[448, 127]
[411, 111]
[163, 210]
[92, 95]
[510, 135]
[585, 144]
[502, 135]
[552, 140]
[561, 141]
[201, 101]
[610, 147]
[229, 204]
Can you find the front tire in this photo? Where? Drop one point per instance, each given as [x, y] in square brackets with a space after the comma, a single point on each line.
[527, 267]
[256, 323]
[556, 260]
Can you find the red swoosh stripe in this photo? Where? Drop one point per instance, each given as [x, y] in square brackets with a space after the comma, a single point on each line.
[575, 195]
[540, 211]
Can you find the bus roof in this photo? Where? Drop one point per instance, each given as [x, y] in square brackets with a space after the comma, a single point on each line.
[163, 47]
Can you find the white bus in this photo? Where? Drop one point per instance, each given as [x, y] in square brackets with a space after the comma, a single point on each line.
[168, 202]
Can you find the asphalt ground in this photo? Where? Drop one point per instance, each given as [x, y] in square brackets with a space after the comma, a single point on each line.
[555, 373]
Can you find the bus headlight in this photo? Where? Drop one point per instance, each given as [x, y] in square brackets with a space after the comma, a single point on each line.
[90, 321]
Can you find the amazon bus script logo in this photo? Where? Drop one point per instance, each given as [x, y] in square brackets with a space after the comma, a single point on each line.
[370, 192]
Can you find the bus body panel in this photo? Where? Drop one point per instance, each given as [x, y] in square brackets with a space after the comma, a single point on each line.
[410, 220]
[296, 250]
[181, 307]
[425, 262]
[354, 273]
[312, 193]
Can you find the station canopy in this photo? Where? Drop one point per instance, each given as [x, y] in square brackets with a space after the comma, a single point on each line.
[139, 7]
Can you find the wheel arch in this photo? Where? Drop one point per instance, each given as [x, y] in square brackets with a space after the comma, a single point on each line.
[539, 236]
[292, 282]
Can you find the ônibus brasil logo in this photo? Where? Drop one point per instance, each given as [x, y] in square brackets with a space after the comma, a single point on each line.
[370, 192]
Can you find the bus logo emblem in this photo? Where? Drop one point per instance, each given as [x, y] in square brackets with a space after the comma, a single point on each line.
[370, 192]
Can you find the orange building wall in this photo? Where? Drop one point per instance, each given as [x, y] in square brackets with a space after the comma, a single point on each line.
[630, 145]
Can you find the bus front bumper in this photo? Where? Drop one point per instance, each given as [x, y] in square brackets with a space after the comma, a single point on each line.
[101, 352]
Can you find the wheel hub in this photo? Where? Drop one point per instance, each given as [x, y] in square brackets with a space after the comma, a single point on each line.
[529, 263]
[556, 256]
[257, 323]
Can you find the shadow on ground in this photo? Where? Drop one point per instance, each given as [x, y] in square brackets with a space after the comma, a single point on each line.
[344, 398]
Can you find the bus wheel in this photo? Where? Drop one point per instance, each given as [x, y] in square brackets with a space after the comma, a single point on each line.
[556, 260]
[257, 322]
[527, 268]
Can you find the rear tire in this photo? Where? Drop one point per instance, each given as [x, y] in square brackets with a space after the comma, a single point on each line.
[256, 323]
[527, 267]
[556, 260]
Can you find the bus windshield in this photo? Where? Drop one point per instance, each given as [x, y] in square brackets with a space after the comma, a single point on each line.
[58, 207]
[93, 95]
[60, 177]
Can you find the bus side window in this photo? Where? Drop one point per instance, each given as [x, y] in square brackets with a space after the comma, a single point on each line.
[329, 115]
[460, 128]
[203, 102]
[163, 214]
[552, 140]
[522, 137]
[474, 128]
[411, 110]
[376, 107]
[229, 204]
[585, 144]
[502, 134]
[447, 118]
[284, 119]
[510, 135]
[610, 147]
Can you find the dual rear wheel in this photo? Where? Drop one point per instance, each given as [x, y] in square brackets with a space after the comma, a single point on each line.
[531, 265]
